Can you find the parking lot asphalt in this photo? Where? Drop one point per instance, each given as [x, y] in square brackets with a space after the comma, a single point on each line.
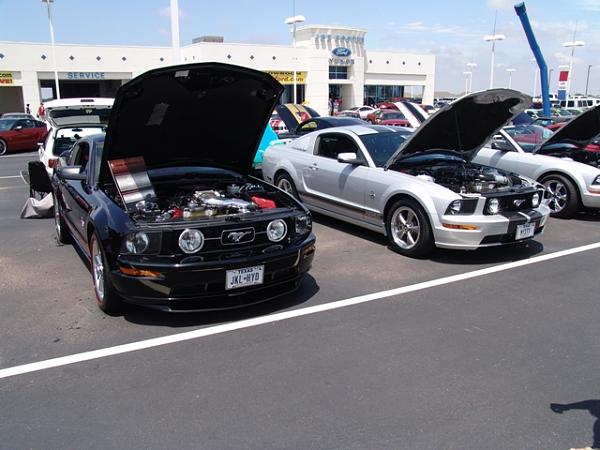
[470, 364]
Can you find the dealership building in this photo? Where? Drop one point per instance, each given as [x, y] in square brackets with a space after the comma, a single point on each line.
[330, 62]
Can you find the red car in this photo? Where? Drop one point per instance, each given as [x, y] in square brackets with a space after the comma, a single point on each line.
[21, 134]
[391, 117]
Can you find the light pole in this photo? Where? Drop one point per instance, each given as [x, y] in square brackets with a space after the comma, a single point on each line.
[467, 74]
[295, 19]
[571, 44]
[587, 81]
[175, 32]
[493, 38]
[48, 2]
[472, 66]
[510, 72]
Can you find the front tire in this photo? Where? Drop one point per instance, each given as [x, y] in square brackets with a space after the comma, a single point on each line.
[62, 234]
[106, 296]
[3, 147]
[285, 183]
[562, 194]
[408, 229]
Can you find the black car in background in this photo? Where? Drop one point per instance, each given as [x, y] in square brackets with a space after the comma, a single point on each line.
[163, 205]
[319, 123]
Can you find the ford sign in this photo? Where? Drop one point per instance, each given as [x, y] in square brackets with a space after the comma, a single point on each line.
[341, 52]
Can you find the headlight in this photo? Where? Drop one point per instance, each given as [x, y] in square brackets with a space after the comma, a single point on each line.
[137, 243]
[303, 224]
[454, 207]
[535, 200]
[493, 206]
[276, 230]
[191, 241]
[597, 180]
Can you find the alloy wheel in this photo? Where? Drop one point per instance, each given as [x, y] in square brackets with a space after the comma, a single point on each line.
[405, 227]
[557, 195]
[285, 185]
[98, 269]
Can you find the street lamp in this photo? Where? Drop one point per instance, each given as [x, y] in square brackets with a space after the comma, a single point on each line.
[175, 32]
[510, 72]
[468, 75]
[587, 81]
[48, 2]
[571, 44]
[471, 65]
[293, 21]
[493, 38]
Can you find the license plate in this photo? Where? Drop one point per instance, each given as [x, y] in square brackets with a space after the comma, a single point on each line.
[524, 231]
[248, 276]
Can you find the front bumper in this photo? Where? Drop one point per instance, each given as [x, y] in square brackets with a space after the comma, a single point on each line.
[590, 200]
[200, 285]
[490, 230]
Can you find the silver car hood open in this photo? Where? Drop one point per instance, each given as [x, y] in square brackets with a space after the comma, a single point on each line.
[580, 130]
[466, 124]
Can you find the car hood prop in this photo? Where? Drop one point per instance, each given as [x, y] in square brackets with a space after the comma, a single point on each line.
[465, 125]
[194, 114]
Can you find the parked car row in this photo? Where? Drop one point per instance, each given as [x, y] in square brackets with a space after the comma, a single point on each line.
[174, 223]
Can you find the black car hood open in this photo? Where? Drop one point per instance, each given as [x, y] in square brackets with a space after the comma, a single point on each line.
[466, 124]
[581, 130]
[198, 114]
[294, 114]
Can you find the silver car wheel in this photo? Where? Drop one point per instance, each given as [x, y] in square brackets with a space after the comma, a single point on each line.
[57, 218]
[2, 147]
[285, 185]
[405, 228]
[558, 195]
[98, 269]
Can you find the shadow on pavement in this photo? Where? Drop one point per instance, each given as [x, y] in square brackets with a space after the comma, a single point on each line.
[143, 316]
[591, 406]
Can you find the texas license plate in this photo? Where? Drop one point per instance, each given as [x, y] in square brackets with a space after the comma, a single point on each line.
[248, 276]
[524, 231]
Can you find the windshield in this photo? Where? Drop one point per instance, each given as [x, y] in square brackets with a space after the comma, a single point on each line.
[529, 136]
[393, 115]
[80, 115]
[66, 137]
[6, 124]
[382, 146]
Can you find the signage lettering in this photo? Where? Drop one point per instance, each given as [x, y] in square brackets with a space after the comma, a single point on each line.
[6, 78]
[287, 77]
[85, 75]
[341, 62]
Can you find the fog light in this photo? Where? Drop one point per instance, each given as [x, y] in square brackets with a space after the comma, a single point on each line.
[535, 200]
[191, 241]
[276, 230]
[454, 207]
[137, 243]
[493, 206]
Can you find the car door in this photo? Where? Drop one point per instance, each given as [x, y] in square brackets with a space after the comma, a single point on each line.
[75, 193]
[335, 186]
[500, 153]
[20, 135]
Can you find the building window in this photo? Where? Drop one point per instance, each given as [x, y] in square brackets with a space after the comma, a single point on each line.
[338, 72]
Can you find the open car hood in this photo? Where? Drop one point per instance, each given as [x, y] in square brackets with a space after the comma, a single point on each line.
[182, 115]
[78, 111]
[581, 130]
[466, 124]
[294, 114]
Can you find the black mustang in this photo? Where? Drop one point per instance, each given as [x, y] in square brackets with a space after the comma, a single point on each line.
[164, 207]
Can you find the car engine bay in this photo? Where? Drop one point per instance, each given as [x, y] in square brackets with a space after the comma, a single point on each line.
[467, 178]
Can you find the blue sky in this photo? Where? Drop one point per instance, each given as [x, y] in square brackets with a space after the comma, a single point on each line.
[452, 30]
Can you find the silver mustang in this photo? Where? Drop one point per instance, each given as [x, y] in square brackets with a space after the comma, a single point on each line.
[420, 189]
[570, 185]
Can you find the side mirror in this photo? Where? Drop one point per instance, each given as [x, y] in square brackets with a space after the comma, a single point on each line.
[501, 144]
[18, 128]
[75, 173]
[40, 144]
[349, 158]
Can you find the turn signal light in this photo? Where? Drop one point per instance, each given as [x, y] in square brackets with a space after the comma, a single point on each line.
[52, 163]
[460, 227]
[133, 272]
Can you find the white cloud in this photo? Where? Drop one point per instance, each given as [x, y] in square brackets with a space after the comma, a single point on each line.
[589, 5]
[500, 4]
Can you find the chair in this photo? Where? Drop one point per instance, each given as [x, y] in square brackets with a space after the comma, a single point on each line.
[39, 181]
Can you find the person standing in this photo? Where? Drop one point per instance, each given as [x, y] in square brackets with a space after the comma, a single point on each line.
[27, 109]
[41, 112]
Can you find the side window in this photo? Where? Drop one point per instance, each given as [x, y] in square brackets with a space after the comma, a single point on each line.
[331, 145]
[307, 127]
[500, 143]
[19, 123]
[97, 155]
[73, 155]
[29, 123]
[83, 155]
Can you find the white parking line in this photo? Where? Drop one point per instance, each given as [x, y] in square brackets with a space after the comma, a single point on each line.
[23, 155]
[10, 176]
[247, 323]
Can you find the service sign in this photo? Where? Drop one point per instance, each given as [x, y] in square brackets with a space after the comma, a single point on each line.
[341, 52]
[6, 78]
[285, 77]
[85, 75]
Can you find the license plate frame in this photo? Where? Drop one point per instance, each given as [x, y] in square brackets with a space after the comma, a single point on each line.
[525, 231]
[244, 277]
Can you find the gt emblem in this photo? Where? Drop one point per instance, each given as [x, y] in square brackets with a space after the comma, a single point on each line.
[518, 202]
[236, 236]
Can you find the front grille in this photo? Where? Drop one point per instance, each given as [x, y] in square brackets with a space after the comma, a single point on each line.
[514, 202]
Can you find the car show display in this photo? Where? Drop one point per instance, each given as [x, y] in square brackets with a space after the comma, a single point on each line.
[176, 224]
